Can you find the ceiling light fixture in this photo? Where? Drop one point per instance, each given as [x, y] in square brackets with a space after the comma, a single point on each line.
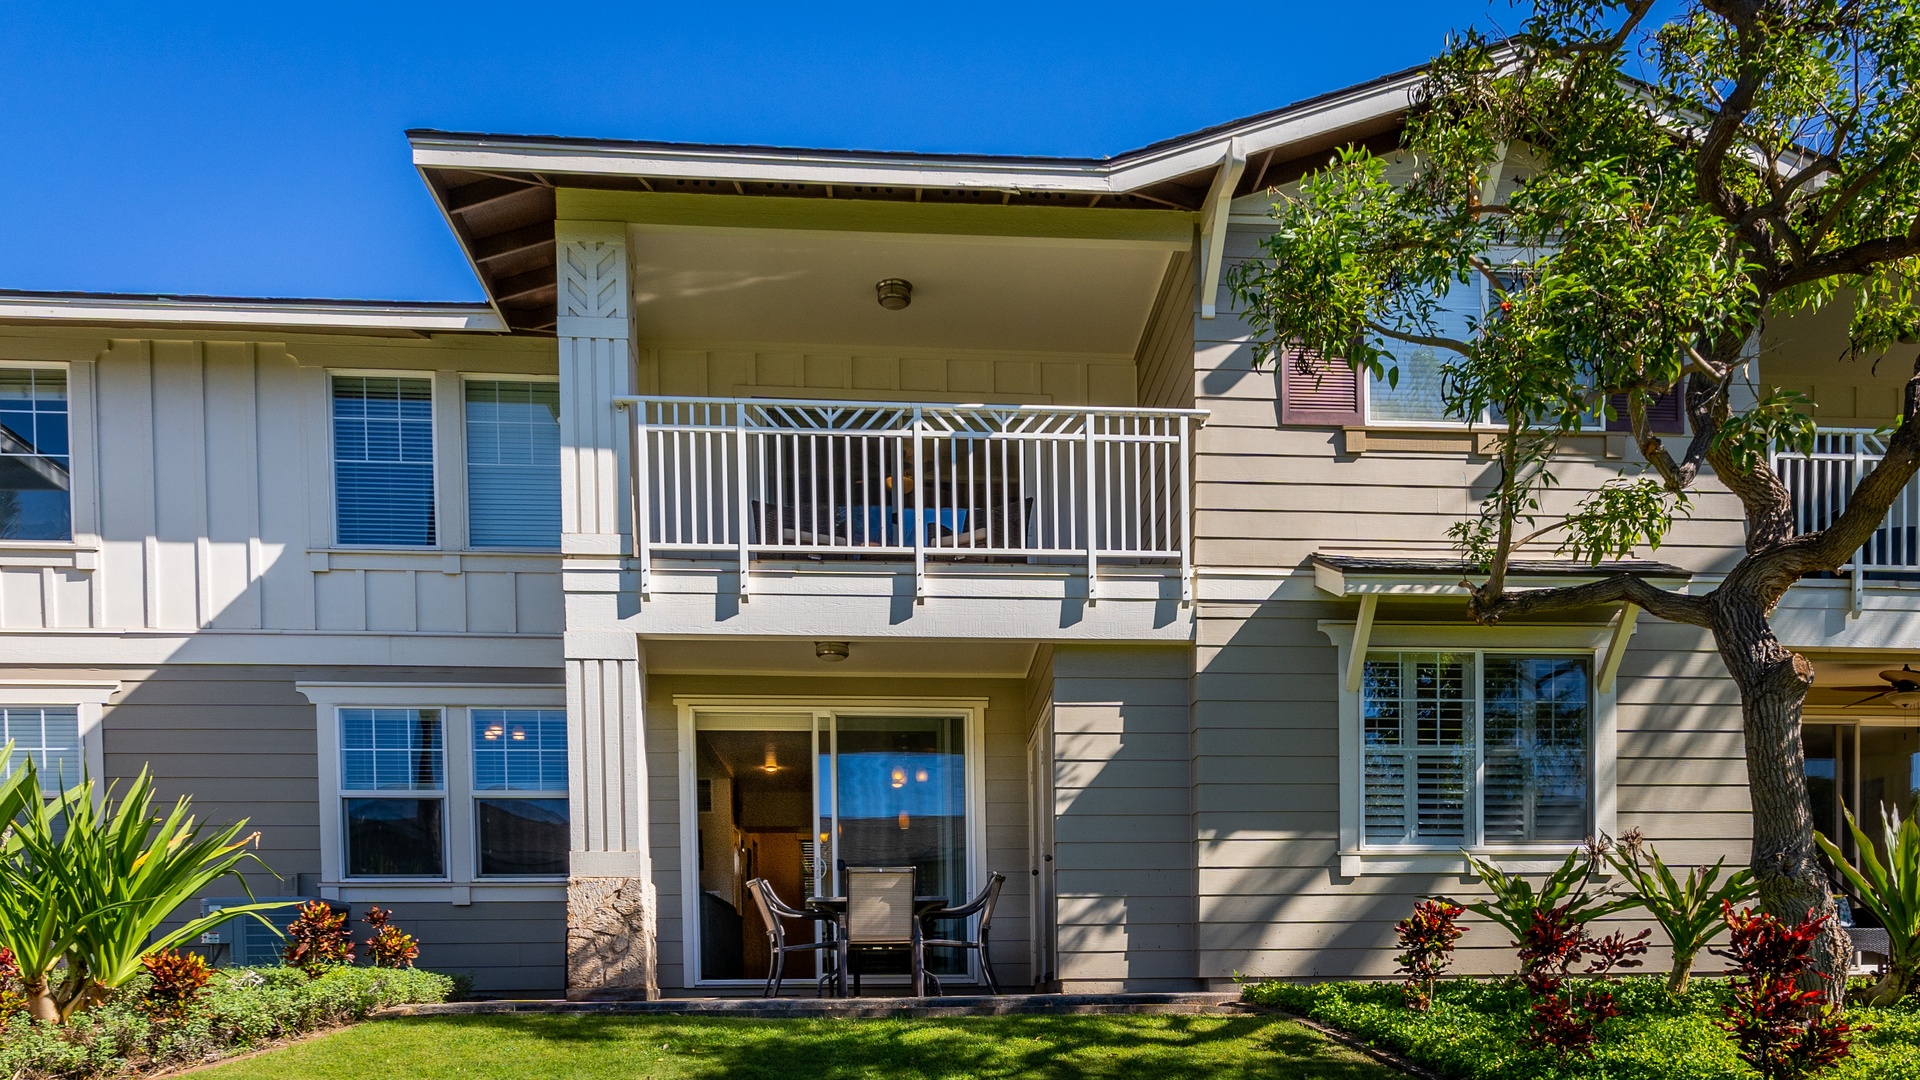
[895, 293]
[831, 651]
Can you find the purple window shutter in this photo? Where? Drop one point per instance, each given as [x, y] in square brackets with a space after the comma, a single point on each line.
[1319, 392]
[1666, 414]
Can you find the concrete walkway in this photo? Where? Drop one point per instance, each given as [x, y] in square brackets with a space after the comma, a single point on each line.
[853, 1008]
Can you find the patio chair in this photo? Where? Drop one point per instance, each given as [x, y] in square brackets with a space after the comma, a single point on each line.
[981, 904]
[774, 912]
[1004, 525]
[880, 919]
[786, 525]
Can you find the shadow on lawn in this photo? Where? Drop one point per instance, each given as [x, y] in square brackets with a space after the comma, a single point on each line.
[1000, 1048]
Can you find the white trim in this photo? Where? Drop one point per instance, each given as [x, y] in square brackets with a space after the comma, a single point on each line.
[213, 311]
[461, 882]
[1356, 857]
[1213, 229]
[89, 700]
[1125, 173]
[816, 711]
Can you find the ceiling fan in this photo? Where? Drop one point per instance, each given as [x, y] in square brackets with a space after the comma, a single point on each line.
[1902, 688]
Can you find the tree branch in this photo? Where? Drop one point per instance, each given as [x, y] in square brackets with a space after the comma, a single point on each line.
[1449, 344]
[1852, 259]
[1488, 607]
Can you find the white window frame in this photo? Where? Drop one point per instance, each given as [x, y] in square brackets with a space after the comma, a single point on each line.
[442, 520]
[1357, 857]
[811, 711]
[462, 883]
[466, 494]
[81, 550]
[88, 698]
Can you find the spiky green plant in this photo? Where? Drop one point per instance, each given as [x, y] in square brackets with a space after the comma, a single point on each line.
[1566, 892]
[86, 882]
[1688, 909]
[1891, 890]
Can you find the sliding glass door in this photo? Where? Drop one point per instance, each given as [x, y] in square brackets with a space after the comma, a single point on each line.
[798, 797]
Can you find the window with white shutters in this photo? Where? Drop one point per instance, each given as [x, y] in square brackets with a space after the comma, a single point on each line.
[1465, 749]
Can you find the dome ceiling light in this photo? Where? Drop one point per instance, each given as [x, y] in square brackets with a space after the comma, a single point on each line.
[895, 293]
[831, 651]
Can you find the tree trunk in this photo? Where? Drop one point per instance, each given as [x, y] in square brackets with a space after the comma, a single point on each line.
[1773, 682]
[1681, 973]
[40, 1003]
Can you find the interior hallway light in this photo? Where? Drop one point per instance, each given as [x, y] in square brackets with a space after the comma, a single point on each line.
[905, 821]
[772, 764]
[920, 777]
[899, 777]
[895, 293]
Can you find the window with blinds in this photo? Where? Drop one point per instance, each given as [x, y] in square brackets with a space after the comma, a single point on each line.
[513, 463]
[34, 478]
[49, 736]
[383, 460]
[1473, 748]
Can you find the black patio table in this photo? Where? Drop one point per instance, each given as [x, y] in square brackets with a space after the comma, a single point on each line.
[835, 908]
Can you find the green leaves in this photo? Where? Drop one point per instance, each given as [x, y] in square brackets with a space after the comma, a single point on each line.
[86, 882]
[1781, 417]
[1514, 901]
[1688, 909]
[1891, 890]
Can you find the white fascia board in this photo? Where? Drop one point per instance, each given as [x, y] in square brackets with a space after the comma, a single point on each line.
[314, 316]
[1129, 172]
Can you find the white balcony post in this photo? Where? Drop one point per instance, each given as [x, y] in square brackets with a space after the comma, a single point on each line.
[918, 525]
[642, 497]
[611, 904]
[1857, 590]
[740, 489]
[1184, 503]
[1092, 508]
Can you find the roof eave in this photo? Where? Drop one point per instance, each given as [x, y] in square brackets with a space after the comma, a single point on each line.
[302, 314]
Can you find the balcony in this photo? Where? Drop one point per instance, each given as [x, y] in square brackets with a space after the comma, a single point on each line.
[742, 480]
[1818, 485]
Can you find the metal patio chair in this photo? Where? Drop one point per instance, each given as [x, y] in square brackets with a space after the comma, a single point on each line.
[774, 913]
[880, 918]
[981, 904]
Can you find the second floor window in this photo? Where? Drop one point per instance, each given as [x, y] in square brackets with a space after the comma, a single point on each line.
[383, 460]
[513, 463]
[34, 480]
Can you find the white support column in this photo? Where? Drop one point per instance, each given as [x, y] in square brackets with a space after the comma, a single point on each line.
[596, 366]
[612, 907]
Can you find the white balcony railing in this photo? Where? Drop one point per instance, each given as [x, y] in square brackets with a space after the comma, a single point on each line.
[1819, 484]
[812, 479]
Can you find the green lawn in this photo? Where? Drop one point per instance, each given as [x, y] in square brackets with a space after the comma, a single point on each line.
[533, 1047]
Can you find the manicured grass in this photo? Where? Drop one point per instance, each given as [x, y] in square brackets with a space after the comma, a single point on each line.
[580, 1047]
[1478, 1031]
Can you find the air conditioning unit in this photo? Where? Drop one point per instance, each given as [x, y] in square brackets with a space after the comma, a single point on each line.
[241, 941]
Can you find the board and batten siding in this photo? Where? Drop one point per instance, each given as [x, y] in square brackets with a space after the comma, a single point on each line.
[203, 495]
[1006, 792]
[870, 374]
[241, 742]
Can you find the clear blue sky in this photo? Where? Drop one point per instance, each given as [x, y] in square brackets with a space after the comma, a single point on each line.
[257, 149]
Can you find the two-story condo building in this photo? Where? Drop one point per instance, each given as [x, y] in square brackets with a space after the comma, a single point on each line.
[788, 510]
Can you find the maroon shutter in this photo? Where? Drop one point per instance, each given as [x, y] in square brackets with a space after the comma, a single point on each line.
[1318, 392]
[1666, 414]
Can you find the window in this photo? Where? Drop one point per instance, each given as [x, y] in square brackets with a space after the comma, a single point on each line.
[50, 736]
[455, 788]
[1417, 394]
[520, 763]
[1465, 749]
[34, 479]
[393, 792]
[383, 460]
[513, 463]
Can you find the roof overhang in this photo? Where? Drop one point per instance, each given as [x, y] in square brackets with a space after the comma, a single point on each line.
[313, 316]
[498, 191]
[1373, 575]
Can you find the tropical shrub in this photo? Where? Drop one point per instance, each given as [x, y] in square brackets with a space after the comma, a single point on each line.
[1891, 890]
[1567, 893]
[174, 981]
[1783, 1032]
[318, 939]
[237, 1010]
[1563, 1018]
[1426, 947]
[388, 946]
[1688, 909]
[87, 880]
